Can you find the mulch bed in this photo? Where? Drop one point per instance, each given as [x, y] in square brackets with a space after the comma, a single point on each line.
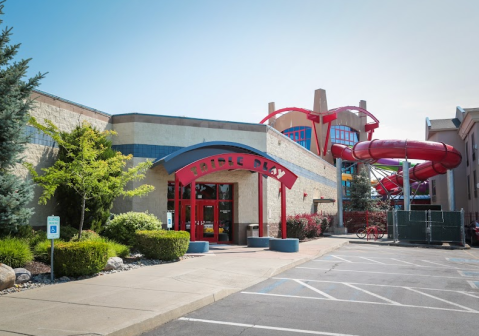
[36, 267]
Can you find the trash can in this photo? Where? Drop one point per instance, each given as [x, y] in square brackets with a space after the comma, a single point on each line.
[252, 230]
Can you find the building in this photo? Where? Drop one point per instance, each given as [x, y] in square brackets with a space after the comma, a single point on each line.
[461, 133]
[227, 199]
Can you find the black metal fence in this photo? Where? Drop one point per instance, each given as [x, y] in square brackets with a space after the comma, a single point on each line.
[426, 226]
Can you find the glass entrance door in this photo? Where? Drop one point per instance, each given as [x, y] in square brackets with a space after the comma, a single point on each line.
[206, 220]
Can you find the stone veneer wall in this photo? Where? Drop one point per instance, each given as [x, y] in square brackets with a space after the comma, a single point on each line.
[316, 178]
[66, 116]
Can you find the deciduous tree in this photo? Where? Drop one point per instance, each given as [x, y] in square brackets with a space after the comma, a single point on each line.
[86, 172]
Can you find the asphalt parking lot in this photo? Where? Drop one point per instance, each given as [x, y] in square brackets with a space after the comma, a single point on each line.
[355, 290]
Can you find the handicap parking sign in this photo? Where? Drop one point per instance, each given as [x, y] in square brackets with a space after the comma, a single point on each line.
[53, 227]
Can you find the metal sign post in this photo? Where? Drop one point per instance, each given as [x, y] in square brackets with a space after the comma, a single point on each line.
[53, 232]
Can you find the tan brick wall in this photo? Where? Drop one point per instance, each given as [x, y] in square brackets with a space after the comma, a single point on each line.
[66, 117]
[282, 147]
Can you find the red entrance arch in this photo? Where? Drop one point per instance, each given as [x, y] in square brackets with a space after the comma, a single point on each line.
[229, 161]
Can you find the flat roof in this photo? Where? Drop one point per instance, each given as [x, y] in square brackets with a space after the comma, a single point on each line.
[444, 124]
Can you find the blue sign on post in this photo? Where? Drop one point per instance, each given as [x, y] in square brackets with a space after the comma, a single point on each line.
[53, 227]
[169, 220]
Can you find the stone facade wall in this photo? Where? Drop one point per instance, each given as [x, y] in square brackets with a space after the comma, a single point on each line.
[316, 178]
[66, 116]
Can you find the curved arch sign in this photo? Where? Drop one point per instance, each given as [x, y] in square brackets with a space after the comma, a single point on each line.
[230, 161]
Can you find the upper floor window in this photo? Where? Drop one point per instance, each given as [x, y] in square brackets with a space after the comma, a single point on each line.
[344, 135]
[468, 187]
[300, 135]
[467, 154]
[473, 147]
[474, 185]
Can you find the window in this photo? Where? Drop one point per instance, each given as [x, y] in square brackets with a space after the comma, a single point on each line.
[344, 135]
[433, 190]
[468, 187]
[473, 147]
[474, 185]
[300, 134]
[467, 154]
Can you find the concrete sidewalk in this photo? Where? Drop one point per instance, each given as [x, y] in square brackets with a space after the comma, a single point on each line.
[133, 302]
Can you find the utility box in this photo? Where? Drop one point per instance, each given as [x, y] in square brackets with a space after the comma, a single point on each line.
[252, 230]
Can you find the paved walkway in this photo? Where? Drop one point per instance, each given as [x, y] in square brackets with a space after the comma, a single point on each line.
[130, 303]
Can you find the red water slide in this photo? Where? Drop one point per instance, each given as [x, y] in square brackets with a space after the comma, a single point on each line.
[440, 157]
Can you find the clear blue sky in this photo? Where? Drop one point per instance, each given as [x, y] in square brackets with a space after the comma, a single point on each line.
[225, 59]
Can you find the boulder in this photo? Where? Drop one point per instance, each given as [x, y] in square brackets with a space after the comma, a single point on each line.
[113, 263]
[22, 275]
[7, 277]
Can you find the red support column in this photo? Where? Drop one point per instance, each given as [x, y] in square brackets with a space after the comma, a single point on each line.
[177, 203]
[260, 204]
[283, 211]
[193, 211]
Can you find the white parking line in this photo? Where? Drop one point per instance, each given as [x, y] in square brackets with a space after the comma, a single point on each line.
[257, 326]
[315, 289]
[372, 294]
[379, 285]
[377, 262]
[469, 294]
[442, 265]
[340, 258]
[398, 265]
[439, 299]
[366, 302]
[407, 262]
[386, 273]
[357, 262]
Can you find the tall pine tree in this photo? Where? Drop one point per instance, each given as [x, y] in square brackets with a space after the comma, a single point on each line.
[15, 104]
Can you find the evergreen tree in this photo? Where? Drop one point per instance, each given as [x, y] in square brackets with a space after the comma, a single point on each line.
[360, 192]
[15, 103]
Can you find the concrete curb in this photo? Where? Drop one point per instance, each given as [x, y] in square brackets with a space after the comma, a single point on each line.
[140, 327]
[442, 247]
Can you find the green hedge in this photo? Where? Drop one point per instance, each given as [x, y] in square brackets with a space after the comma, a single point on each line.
[42, 252]
[162, 244]
[122, 228]
[15, 252]
[75, 259]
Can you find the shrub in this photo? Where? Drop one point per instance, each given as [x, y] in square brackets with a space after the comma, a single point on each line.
[122, 228]
[116, 249]
[15, 252]
[162, 244]
[41, 250]
[75, 259]
[67, 233]
[37, 237]
[307, 225]
[296, 227]
[326, 223]
[87, 235]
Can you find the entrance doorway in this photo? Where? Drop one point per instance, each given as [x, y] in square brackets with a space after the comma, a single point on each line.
[206, 219]
[213, 213]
